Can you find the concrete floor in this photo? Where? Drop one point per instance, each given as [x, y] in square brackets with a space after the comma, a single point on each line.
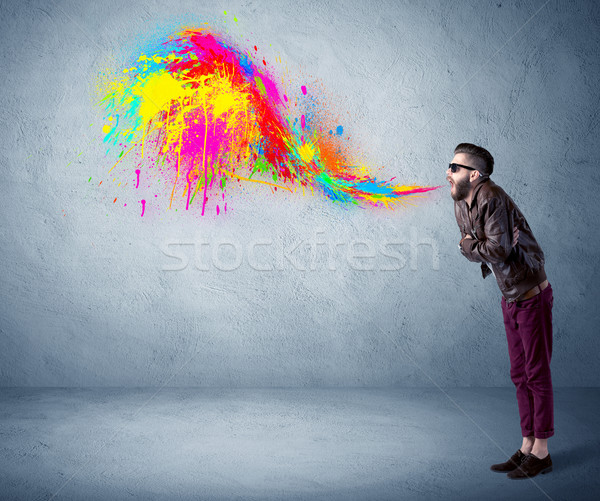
[190, 443]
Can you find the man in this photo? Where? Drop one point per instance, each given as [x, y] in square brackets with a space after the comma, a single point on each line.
[496, 234]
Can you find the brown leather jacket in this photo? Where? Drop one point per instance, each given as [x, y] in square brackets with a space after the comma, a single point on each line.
[490, 221]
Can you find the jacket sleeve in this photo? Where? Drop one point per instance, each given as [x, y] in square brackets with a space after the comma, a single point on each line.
[497, 244]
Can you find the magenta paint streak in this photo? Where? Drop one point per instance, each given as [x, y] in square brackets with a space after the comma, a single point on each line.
[143, 207]
[303, 89]
[137, 172]
[303, 122]
[189, 190]
[217, 209]
[205, 187]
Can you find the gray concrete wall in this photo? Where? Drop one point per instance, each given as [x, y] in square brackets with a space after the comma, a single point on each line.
[92, 295]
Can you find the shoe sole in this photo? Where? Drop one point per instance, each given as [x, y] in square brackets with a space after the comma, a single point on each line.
[543, 472]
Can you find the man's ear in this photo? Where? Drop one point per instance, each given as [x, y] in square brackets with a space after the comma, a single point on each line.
[474, 175]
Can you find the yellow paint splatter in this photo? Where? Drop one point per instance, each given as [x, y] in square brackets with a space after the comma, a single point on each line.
[306, 152]
[106, 129]
[158, 91]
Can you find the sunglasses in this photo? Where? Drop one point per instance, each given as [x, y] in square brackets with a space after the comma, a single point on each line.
[455, 167]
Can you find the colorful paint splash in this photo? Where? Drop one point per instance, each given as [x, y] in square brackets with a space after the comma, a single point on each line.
[198, 113]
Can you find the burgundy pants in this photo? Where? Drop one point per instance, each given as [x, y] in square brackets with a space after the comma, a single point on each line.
[528, 327]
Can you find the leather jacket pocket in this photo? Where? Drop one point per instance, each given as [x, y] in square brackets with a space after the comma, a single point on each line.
[516, 270]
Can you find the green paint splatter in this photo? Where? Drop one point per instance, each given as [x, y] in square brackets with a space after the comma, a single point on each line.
[326, 178]
[90, 179]
[260, 165]
[260, 85]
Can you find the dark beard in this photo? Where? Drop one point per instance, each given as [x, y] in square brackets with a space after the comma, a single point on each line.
[461, 190]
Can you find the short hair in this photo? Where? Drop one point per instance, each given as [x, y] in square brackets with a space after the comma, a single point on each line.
[484, 157]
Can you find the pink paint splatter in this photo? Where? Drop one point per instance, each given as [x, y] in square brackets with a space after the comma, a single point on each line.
[137, 173]
[303, 88]
[143, 207]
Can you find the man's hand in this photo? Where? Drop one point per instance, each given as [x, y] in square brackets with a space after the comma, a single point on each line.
[515, 236]
[466, 237]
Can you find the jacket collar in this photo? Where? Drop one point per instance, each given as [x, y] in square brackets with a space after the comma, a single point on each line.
[478, 186]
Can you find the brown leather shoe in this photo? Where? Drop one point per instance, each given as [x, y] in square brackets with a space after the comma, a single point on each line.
[512, 464]
[531, 466]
